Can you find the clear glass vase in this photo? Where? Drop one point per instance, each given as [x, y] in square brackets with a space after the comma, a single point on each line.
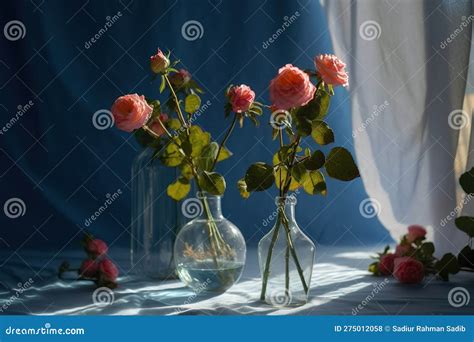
[155, 218]
[209, 250]
[286, 258]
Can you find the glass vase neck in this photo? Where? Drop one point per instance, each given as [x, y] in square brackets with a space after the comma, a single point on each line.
[286, 203]
[211, 205]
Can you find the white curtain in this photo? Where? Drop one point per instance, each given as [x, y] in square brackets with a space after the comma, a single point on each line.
[408, 65]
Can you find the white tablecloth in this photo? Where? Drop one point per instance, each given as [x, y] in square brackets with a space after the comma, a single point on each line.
[339, 285]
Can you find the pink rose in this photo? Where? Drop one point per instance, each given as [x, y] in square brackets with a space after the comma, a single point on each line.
[415, 232]
[241, 98]
[89, 268]
[291, 88]
[108, 270]
[97, 247]
[180, 78]
[408, 270]
[403, 250]
[332, 70]
[159, 62]
[131, 112]
[156, 127]
[386, 264]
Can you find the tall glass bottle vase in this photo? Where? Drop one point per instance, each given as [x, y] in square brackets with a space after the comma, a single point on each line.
[155, 218]
[286, 258]
[209, 250]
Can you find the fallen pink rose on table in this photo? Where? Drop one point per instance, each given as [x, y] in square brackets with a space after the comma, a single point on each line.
[408, 270]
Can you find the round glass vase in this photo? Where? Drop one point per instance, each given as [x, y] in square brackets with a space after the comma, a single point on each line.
[155, 218]
[209, 250]
[286, 258]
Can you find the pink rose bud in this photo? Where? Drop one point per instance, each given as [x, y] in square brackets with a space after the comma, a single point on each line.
[291, 88]
[97, 247]
[89, 268]
[159, 62]
[404, 250]
[241, 98]
[332, 70]
[415, 232]
[180, 78]
[108, 270]
[131, 112]
[386, 264]
[156, 127]
[408, 270]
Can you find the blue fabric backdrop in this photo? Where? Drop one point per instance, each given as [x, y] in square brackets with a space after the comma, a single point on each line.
[62, 167]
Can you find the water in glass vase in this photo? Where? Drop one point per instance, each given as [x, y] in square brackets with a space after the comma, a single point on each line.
[206, 276]
[209, 250]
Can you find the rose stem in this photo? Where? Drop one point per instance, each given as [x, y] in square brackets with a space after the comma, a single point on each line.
[226, 137]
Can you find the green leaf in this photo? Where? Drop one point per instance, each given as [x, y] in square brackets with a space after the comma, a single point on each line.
[316, 161]
[212, 182]
[163, 84]
[145, 139]
[466, 224]
[173, 124]
[281, 173]
[179, 189]
[317, 108]
[208, 154]
[466, 257]
[467, 181]
[172, 155]
[427, 248]
[340, 165]
[299, 173]
[192, 102]
[198, 140]
[259, 177]
[224, 154]
[374, 268]
[303, 127]
[321, 133]
[448, 264]
[243, 188]
[315, 184]
[186, 171]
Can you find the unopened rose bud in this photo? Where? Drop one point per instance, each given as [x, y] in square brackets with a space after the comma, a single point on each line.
[159, 62]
